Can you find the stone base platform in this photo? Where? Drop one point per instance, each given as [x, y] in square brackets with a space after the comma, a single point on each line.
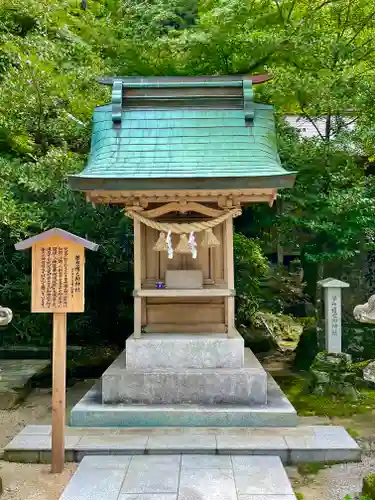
[291, 445]
[158, 351]
[180, 477]
[183, 385]
[91, 412]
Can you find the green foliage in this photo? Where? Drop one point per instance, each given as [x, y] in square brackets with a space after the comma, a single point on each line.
[250, 266]
[311, 468]
[361, 497]
[84, 363]
[353, 433]
[307, 348]
[368, 488]
[296, 389]
[359, 340]
[283, 327]
[52, 52]
[329, 213]
[282, 290]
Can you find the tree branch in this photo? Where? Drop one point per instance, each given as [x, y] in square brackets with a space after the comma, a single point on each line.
[371, 16]
[312, 122]
[346, 21]
[327, 2]
[328, 127]
[280, 12]
[291, 10]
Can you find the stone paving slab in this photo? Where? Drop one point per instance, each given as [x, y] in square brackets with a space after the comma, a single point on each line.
[147, 475]
[179, 477]
[187, 441]
[95, 484]
[15, 377]
[207, 484]
[266, 497]
[291, 445]
[270, 477]
[237, 442]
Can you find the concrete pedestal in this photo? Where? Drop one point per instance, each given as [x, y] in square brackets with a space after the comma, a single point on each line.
[202, 369]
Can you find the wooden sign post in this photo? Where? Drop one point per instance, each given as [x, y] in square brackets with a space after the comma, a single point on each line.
[57, 277]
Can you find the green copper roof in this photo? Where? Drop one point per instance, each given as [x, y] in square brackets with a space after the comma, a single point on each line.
[160, 139]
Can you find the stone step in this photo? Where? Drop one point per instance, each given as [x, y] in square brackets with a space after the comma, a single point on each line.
[181, 385]
[291, 445]
[91, 412]
[179, 477]
[172, 350]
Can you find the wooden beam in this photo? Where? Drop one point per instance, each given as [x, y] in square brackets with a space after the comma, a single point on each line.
[198, 292]
[273, 197]
[229, 274]
[230, 316]
[137, 317]
[177, 206]
[58, 391]
[137, 277]
[132, 198]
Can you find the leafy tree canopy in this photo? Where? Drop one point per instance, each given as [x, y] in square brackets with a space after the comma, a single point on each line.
[319, 52]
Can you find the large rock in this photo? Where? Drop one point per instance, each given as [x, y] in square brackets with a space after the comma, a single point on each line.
[331, 375]
[369, 372]
[330, 362]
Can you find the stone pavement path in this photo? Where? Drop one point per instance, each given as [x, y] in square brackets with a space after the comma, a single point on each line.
[293, 445]
[179, 477]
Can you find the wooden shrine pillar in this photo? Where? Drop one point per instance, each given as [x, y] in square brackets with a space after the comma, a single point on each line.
[137, 231]
[229, 275]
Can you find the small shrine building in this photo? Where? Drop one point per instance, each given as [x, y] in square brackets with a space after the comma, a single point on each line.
[181, 156]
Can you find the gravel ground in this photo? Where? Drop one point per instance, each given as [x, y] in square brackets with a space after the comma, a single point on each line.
[30, 481]
[334, 483]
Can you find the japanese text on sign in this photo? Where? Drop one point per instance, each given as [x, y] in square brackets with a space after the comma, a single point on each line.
[58, 278]
[334, 315]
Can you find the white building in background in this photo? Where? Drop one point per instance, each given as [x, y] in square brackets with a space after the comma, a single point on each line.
[309, 130]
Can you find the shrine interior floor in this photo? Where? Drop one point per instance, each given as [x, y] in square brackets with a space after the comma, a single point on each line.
[180, 477]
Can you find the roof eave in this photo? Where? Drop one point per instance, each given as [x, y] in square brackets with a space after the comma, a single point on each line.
[66, 235]
[277, 181]
[204, 80]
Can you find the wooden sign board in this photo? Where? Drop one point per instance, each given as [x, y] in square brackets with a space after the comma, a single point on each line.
[57, 276]
[57, 286]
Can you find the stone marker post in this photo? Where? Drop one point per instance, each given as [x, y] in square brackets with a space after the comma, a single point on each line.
[332, 313]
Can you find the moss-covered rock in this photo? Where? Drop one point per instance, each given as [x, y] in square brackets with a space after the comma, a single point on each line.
[258, 339]
[330, 375]
[358, 341]
[319, 377]
[368, 486]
